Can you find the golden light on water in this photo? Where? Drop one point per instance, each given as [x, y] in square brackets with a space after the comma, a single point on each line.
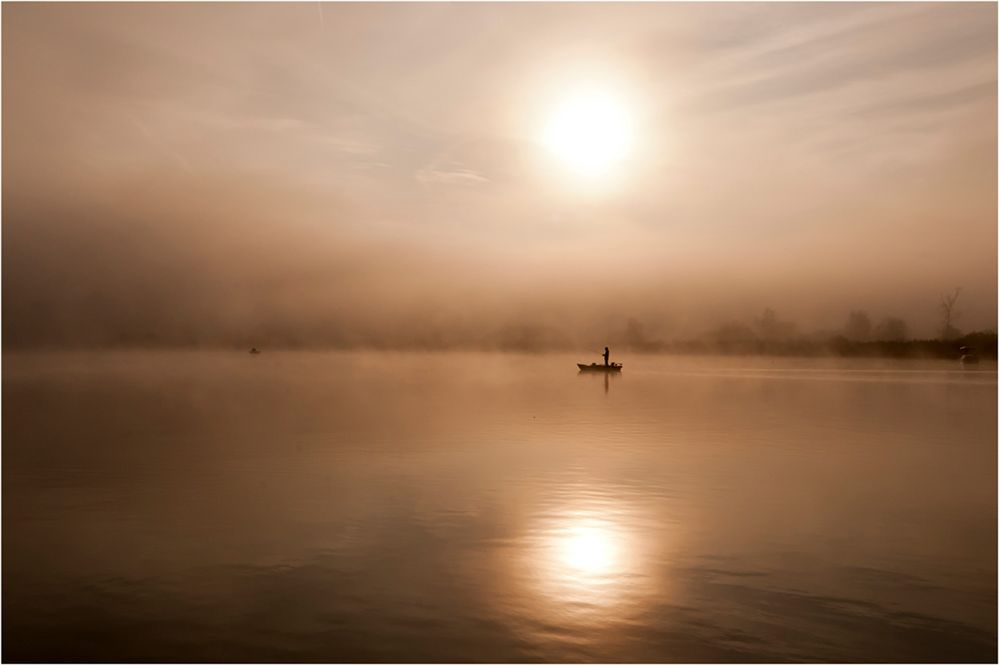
[590, 549]
[587, 561]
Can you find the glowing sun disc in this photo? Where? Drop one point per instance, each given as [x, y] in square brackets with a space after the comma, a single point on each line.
[589, 133]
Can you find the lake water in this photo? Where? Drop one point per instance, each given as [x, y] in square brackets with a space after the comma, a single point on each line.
[210, 506]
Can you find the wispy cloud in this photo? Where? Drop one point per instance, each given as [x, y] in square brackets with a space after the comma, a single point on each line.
[450, 175]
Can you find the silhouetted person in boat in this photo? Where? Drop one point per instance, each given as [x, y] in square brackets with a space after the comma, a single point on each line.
[606, 356]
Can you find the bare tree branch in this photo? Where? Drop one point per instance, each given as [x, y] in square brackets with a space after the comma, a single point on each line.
[949, 314]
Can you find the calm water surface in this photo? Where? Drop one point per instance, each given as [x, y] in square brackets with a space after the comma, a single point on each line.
[500, 507]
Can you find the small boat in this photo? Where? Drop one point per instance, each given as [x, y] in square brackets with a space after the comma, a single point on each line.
[593, 367]
[254, 350]
[968, 356]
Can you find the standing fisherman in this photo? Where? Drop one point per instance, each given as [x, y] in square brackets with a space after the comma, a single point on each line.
[606, 356]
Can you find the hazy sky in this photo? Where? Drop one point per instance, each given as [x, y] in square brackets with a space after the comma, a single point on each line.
[377, 171]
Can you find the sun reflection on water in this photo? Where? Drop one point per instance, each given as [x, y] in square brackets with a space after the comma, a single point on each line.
[587, 561]
[589, 549]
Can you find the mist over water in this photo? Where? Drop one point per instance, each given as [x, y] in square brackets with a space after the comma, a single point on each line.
[463, 506]
[178, 174]
[344, 187]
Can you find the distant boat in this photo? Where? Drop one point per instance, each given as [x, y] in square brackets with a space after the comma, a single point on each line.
[593, 367]
[254, 350]
[968, 356]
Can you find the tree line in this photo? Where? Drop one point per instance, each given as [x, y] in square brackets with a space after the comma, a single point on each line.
[860, 335]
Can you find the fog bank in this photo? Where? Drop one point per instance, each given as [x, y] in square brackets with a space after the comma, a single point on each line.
[251, 175]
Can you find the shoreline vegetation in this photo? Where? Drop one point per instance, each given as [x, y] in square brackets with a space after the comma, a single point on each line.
[983, 343]
[766, 335]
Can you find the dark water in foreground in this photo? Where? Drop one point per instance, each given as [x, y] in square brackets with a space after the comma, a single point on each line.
[469, 507]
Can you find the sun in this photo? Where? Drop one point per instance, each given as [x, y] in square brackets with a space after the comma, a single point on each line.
[591, 133]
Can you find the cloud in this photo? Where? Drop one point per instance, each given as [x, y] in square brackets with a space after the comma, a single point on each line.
[453, 175]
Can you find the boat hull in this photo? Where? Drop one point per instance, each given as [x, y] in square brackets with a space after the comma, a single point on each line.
[598, 368]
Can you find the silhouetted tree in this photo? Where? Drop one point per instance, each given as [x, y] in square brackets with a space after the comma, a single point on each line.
[858, 326]
[891, 329]
[734, 332]
[773, 329]
[949, 315]
[734, 337]
[634, 334]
